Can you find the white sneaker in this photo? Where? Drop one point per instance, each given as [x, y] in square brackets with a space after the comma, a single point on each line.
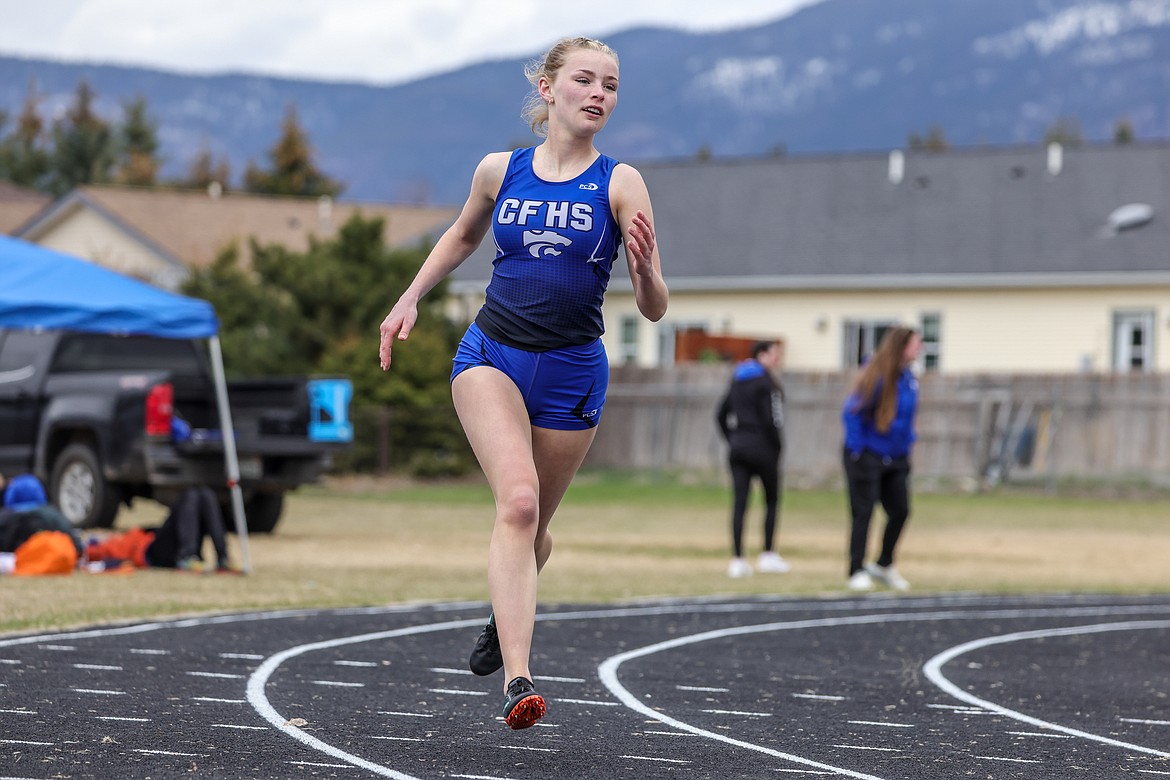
[888, 576]
[860, 581]
[772, 563]
[739, 568]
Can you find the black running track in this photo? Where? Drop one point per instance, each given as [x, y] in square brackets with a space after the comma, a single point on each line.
[894, 688]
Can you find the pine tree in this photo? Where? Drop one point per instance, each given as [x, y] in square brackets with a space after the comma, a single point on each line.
[1065, 131]
[205, 169]
[293, 171]
[138, 162]
[935, 140]
[316, 312]
[83, 150]
[1123, 132]
[24, 159]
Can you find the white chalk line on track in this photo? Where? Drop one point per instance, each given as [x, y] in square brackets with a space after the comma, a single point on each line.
[933, 671]
[608, 673]
[257, 681]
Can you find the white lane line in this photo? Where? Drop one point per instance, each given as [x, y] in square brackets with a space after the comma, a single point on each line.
[339, 683]
[656, 758]
[817, 696]
[588, 701]
[243, 656]
[933, 671]
[480, 777]
[1011, 760]
[165, 753]
[24, 742]
[879, 723]
[738, 712]
[217, 675]
[1044, 734]
[116, 717]
[701, 689]
[63, 648]
[238, 726]
[213, 700]
[1145, 722]
[259, 680]
[868, 747]
[319, 764]
[457, 692]
[978, 610]
[670, 733]
[528, 747]
[405, 714]
[400, 739]
[607, 671]
[1151, 772]
[366, 664]
[536, 678]
[148, 651]
[99, 667]
[98, 691]
[18, 712]
[10, 661]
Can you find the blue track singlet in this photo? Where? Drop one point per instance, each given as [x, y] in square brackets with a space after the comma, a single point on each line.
[556, 243]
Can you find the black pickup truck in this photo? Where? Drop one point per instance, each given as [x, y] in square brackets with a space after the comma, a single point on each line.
[103, 419]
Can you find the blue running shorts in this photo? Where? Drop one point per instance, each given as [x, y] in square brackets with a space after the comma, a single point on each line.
[563, 389]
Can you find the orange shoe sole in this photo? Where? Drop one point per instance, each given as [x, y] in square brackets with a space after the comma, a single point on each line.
[526, 712]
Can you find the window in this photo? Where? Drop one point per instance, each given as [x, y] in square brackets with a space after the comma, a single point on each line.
[862, 338]
[931, 330]
[101, 352]
[628, 349]
[1133, 341]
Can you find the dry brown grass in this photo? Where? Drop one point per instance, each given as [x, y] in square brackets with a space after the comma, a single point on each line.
[362, 542]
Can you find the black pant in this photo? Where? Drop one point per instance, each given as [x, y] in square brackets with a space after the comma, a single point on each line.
[196, 514]
[764, 465]
[872, 478]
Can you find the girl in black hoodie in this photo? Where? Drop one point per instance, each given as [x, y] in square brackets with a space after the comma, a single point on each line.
[751, 417]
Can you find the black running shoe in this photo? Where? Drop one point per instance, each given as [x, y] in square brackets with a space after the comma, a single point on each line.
[485, 656]
[523, 706]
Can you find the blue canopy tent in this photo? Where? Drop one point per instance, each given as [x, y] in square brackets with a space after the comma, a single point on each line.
[44, 289]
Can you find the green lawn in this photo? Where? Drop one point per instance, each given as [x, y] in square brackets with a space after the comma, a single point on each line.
[368, 542]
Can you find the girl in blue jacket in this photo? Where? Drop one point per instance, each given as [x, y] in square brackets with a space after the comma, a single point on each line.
[878, 417]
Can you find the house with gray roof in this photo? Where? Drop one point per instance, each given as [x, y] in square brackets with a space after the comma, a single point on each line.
[160, 234]
[1015, 260]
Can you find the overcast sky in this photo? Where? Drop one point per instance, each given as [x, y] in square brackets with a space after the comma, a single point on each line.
[378, 41]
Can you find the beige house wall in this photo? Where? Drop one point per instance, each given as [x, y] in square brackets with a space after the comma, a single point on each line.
[90, 236]
[1053, 330]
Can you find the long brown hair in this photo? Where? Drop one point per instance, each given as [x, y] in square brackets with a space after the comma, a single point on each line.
[882, 371]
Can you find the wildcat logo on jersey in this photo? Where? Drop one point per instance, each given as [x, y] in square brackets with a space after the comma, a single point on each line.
[543, 243]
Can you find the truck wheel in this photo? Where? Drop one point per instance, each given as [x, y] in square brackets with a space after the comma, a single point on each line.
[78, 489]
[263, 512]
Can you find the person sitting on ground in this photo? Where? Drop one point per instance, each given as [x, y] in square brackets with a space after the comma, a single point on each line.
[35, 538]
[27, 510]
[177, 543]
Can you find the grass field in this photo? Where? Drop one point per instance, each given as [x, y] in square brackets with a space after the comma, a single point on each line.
[360, 542]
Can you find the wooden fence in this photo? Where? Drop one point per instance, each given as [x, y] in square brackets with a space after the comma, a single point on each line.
[978, 428]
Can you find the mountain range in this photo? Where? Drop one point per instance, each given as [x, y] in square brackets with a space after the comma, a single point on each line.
[839, 76]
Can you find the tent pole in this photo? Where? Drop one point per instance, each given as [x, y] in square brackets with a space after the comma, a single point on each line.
[231, 459]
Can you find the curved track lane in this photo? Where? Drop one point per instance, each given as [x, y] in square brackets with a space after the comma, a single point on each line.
[878, 687]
